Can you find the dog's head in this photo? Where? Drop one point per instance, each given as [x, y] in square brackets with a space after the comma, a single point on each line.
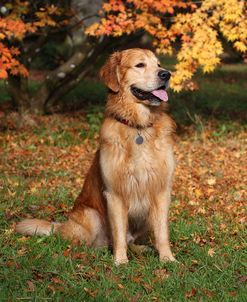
[137, 72]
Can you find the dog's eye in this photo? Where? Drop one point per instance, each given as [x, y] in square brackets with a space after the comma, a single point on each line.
[159, 65]
[140, 65]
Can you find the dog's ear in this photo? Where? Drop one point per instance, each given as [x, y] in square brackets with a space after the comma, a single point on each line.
[109, 72]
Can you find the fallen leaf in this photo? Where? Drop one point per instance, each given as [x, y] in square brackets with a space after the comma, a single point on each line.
[30, 285]
[198, 193]
[51, 288]
[56, 280]
[90, 292]
[209, 293]
[81, 255]
[211, 181]
[243, 279]
[120, 286]
[190, 293]
[211, 252]
[23, 239]
[161, 274]
[147, 287]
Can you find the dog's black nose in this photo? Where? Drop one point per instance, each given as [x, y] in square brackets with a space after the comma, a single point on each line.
[164, 75]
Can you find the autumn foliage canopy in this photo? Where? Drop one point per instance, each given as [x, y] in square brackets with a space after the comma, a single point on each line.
[15, 26]
[195, 25]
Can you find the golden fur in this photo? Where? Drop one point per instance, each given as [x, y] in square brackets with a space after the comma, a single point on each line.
[127, 189]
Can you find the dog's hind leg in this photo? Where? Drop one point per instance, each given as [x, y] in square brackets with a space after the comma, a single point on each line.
[84, 226]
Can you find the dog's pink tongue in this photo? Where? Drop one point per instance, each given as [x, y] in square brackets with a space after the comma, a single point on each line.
[161, 94]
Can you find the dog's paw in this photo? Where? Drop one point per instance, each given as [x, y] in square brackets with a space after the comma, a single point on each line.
[119, 261]
[168, 258]
[139, 249]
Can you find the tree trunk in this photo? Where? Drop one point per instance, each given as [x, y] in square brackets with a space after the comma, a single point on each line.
[60, 87]
[59, 81]
[18, 90]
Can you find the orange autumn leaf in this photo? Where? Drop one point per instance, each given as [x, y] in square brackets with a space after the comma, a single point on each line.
[3, 74]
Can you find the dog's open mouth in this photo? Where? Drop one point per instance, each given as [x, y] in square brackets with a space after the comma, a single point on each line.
[155, 97]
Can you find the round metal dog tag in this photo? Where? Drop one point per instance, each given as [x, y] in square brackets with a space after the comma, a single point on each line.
[139, 140]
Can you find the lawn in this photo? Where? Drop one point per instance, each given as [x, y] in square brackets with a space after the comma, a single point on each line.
[42, 170]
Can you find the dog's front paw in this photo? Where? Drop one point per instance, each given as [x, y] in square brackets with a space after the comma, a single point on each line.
[167, 257]
[119, 261]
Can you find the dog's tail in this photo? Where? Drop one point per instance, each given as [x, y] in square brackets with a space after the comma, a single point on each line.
[37, 227]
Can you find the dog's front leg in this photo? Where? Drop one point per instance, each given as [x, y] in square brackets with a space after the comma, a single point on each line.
[118, 219]
[159, 222]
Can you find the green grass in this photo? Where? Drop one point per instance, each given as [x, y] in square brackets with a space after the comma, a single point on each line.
[43, 268]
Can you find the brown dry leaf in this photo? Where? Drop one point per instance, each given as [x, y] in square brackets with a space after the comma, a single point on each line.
[11, 263]
[49, 209]
[198, 239]
[136, 298]
[198, 193]
[56, 280]
[51, 288]
[22, 251]
[136, 279]
[211, 252]
[243, 279]
[38, 276]
[161, 274]
[12, 194]
[120, 286]
[31, 286]
[81, 255]
[63, 206]
[33, 190]
[66, 253]
[10, 214]
[223, 226]
[148, 288]
[91, 292]
[211, 181]
[194, 262]
[22, 239]
[191, 293]
[209, 293]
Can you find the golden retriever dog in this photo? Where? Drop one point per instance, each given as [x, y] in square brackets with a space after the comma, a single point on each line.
[127, 190]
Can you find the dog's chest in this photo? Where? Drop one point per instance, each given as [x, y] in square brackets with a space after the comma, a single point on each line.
[136, 169]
